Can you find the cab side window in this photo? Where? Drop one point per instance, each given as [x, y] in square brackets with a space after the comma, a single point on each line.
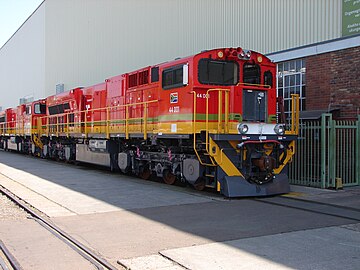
[175, 77]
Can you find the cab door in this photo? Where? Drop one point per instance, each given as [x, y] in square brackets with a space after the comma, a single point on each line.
[254, 105]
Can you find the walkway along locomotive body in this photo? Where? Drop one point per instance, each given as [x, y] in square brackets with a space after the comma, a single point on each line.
[207, 119]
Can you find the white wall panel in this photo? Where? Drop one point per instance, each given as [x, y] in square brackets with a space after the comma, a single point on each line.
[22, 62]
[89, 40]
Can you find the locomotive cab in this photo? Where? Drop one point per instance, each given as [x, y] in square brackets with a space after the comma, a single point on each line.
[241, 135]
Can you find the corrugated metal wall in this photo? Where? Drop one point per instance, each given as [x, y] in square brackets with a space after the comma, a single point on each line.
[22, 62]
[90, 40]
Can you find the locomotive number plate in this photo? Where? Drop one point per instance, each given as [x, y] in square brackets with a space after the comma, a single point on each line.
[202, 95]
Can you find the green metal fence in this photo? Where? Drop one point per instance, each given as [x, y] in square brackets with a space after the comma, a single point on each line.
[327, 150]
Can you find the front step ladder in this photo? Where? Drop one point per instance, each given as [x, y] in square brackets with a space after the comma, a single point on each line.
[37, 141]
[205, 157]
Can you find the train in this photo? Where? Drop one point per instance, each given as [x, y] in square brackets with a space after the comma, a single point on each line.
[208, 120]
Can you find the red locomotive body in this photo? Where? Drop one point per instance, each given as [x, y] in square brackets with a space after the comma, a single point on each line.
[62, 109]
[11, 115]
[95, 108]
[35, 118]
[11, 128]
[208, 120]
[20, 119]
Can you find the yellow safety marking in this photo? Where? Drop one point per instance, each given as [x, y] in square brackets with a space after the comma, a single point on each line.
[37, 141]
[290, 152]
[293, 194]
[222, 160]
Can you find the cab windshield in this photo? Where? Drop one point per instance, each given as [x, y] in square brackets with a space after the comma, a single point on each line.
[217, 72]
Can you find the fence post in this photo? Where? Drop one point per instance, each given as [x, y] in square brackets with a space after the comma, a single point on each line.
[357, 154]
[326, 154]
[332, 153]
[323, 150]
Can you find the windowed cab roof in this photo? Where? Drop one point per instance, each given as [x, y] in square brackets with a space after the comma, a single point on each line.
[126, 82]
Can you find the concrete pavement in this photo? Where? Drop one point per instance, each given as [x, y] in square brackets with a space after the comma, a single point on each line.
[148, 225]
[348, 197]
[321, 249]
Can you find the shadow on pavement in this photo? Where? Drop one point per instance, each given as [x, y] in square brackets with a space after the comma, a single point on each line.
[204, 215]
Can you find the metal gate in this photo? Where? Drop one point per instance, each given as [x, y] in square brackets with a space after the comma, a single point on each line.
[327, 150]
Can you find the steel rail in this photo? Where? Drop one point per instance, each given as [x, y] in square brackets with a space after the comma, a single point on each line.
[11, 259]
[81, 249]
[281, 201]
[3, 265]
[322, 203]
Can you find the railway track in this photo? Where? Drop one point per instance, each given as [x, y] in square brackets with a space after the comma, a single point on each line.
[7, 260]
[333, 210]
[88, 254]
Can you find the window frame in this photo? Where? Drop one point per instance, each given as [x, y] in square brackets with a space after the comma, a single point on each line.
[219, 61]
[290, 79]
[40, 106]
[28, 110]
[155, 74]
[244, 73]
[271, 78]
[184, 78]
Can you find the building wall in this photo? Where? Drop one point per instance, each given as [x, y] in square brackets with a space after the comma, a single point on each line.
[22, 62]
[333, 82]
[90, 40]
[82, 42]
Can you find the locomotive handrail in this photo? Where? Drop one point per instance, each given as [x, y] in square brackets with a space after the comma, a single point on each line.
[66, 124]
[55, 127]
[194, 134]
[295, 111]
[145, 103]
[219, 129]
[226, 116]
[107, 123]
[254, 84]
[219, 124]
[9, 128]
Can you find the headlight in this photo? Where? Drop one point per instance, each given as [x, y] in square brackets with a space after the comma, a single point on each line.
[241, 55]
[279, 129]
[243, 128]
[244, 54]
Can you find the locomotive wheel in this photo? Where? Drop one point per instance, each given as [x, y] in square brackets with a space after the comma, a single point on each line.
[145, 174]
[200, 184]
[169, 177]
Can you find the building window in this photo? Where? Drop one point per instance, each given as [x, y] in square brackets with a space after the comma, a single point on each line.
[291, 80]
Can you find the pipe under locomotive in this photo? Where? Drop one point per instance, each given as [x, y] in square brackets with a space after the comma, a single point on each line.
[208, 120]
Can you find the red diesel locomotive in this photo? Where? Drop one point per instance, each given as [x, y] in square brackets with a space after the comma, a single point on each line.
[208, 120]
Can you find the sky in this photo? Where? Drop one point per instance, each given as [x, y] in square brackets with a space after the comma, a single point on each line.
[13, 13]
